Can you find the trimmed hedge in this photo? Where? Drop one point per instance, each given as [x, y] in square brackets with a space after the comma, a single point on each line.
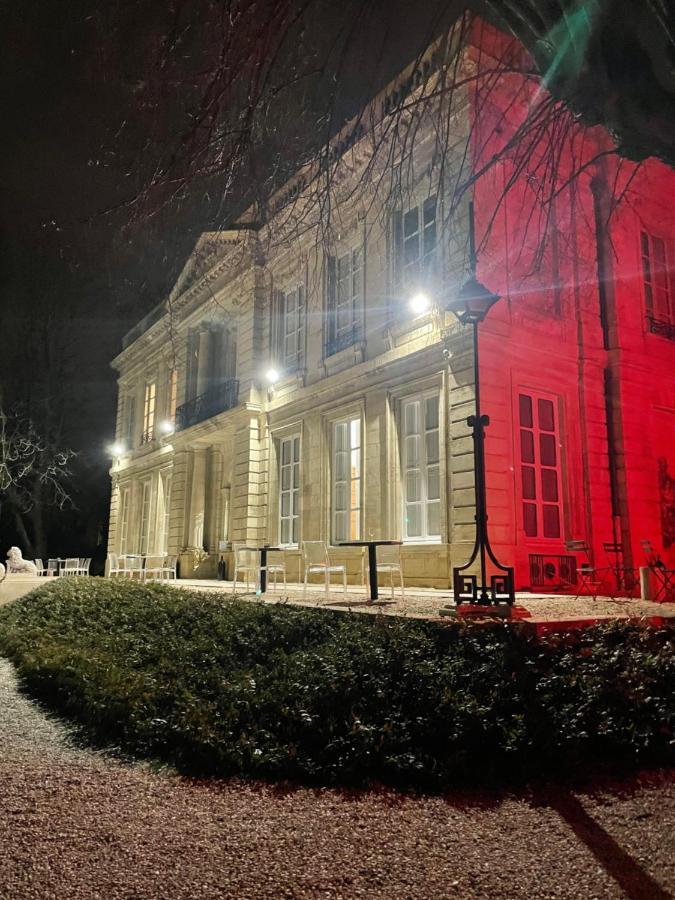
[224, 687]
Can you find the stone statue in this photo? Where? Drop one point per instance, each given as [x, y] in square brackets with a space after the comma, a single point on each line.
[3, 572]
[17, 565]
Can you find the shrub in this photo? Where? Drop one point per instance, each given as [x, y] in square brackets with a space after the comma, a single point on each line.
[224, 686]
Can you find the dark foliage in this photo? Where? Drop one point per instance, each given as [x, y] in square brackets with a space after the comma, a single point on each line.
[224, 688]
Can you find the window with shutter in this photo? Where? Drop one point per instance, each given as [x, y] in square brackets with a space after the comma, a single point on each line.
[172, 395]
[659, 300]
[130, 421]
[149, 412]
[420, 464]
[540, 466]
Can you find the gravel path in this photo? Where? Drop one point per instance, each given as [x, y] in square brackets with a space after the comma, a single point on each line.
[77, 826]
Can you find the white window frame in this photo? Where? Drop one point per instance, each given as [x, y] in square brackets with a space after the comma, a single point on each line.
[415, 464]
[289, 490]
[346, 487]
[149, 407]
[293, 329]
[125, 504]
[657, 285]
[422, 265]
[144, 517]
[164, 510]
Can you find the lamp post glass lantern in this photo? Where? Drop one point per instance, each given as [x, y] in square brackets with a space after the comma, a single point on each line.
[472, 304]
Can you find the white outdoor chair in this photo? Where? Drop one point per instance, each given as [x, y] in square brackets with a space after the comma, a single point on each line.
[154, 568]
[40, 567]
[133, 565]
[276, 568]
[71, 566]
[85, 563]
[52, 567]
[169, 568]
[114, 567]
[389, 560]
[317, 561]
[246, 562]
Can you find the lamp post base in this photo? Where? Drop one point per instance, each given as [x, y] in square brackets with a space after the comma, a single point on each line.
[480, 611]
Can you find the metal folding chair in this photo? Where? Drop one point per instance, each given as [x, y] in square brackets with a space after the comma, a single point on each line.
[664, 578]
[589, 579]
[626, 578]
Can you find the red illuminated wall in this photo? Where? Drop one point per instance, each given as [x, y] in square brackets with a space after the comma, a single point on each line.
[572, 327]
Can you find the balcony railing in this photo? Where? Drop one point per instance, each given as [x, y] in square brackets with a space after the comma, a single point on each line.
[661, 327]
[338, 342]
[208, 404]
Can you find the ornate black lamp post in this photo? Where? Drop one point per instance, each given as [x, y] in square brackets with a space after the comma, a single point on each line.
[471, 306]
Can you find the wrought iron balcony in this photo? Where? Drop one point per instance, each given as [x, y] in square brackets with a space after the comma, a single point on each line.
[662, 328]
[216, 400]
[341, 341]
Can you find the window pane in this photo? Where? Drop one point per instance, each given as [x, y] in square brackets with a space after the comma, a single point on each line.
[340, 526]
[530, 519]
[412, 489]
[413, 522]
[432, 446]
[549, 485]
[285, 478]
[356, 432]
[551, 522]
[412, 450]
[296, 529]
[433, 484]
[285, 452]
[340, 496]
[434, 519]
[526, 446]
[412, 418]
[296, 449]
[546, 420]
[285, 504]
[547, 451]
[285, 530]
[341, 436]
[432, 412]
[410, 223]
[525, 408]
[529, 488]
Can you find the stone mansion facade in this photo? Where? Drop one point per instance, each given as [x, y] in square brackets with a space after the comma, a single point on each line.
[362, 431]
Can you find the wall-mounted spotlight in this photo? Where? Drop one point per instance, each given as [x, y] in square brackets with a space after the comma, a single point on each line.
[272, 376]
[420, 303]
[167, 426]
[117, 449]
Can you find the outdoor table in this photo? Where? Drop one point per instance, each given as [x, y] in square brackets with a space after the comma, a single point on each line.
[60, 563]
[372, 559]
[263, 563]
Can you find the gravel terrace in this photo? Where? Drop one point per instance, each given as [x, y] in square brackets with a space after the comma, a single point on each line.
[77, 826]
[424, 603]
